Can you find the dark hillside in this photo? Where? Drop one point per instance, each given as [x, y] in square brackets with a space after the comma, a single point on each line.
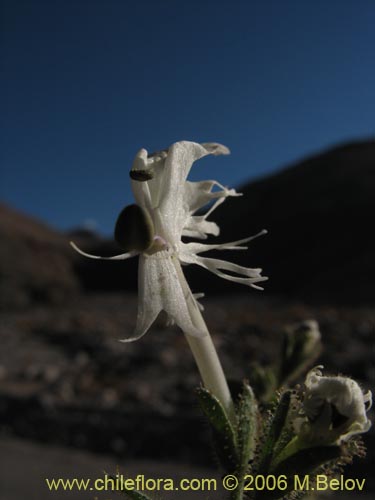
[320, 217]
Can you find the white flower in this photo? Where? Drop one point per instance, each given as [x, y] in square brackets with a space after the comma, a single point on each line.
[335, 407]
[153, 229]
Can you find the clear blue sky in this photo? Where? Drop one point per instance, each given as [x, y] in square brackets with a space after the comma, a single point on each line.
[87, 83]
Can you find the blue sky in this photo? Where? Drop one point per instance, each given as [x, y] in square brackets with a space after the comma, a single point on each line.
[88, 83]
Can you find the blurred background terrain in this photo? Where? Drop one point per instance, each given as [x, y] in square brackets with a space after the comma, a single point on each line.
[65, 379]
[289, 87]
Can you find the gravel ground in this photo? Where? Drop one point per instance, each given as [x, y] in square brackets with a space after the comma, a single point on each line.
[66, 381]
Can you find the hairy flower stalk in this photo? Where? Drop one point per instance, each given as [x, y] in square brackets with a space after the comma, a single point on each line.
[153, 228]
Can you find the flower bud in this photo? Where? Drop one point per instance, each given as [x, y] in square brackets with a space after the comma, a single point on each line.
[335, 409]
[301, 346]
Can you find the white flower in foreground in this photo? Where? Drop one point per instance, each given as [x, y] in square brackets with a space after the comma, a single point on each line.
[336, 408]
[153, 229]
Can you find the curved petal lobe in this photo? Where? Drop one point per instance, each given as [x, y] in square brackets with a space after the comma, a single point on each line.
[122, 256]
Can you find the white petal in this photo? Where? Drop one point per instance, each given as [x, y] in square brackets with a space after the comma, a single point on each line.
[198, 194]
[345, 395]
[162, 286]
[196, 247]
[149, 298]
[194, 308]
[215, 148]
[199, 227]
[146, 193]
[122, 256]
[173, 209]
[247, 276]
[198, 296]
[142, 195]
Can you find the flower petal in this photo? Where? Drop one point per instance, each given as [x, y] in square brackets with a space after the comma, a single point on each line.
[198, 194]
[122, 256]
[341, 395]
[162, 286]
[173, 208]
[199, 227]
[247, 276]
[149, 298]
[198, 296]
[196, 247]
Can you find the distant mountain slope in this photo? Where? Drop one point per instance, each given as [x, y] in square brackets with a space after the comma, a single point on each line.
[35, 262]
[320, 216]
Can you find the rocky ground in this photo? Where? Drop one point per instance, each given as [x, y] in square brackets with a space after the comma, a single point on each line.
[65, 379]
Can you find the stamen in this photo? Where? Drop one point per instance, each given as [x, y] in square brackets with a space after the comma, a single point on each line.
[141, 175]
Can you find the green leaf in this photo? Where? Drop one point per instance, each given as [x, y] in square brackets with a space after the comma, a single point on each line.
[224, 434]
[263, 381]
[274, 431]
[247, 423]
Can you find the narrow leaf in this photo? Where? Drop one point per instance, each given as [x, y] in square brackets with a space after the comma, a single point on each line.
[274, 431]
[224, 434]
[247, 423]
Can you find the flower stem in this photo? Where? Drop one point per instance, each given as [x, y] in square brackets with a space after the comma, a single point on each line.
[204, 351]
[211, 371]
